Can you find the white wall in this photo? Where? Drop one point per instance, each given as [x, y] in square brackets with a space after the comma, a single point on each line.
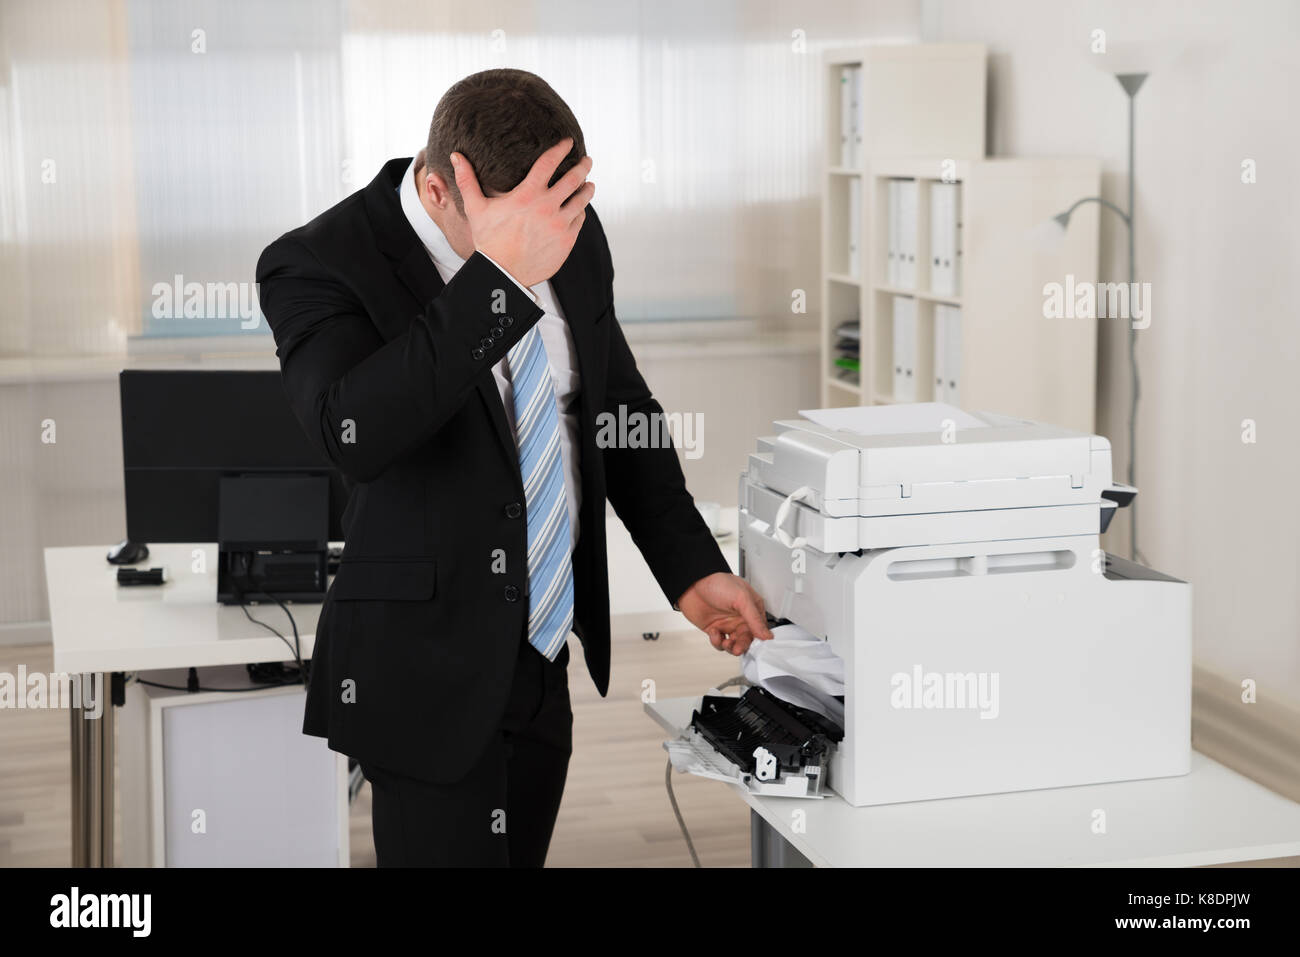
[736, 389]
[1220, 255]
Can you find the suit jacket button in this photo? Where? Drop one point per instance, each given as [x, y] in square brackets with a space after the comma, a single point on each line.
[512, 593]
[485, 342]
[506, 322]
[476, 353]
[498, 332]
[514, 510]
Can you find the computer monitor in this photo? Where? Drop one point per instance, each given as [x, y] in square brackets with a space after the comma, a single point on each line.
[217, 456]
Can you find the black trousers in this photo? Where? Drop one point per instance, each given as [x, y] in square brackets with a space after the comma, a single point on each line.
[502, 813]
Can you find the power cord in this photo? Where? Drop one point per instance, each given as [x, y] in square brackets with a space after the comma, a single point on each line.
[300, 677]
[247, 614]
[741, 681]
[194, 687]
[295, 648]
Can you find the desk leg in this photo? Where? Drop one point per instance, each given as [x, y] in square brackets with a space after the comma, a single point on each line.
[92, 780]
[78, 750]
[767, 848]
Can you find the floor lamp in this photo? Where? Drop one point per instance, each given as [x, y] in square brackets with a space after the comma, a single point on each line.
[1131, 82]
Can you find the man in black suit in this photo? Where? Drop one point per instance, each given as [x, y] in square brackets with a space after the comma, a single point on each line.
[447, 337]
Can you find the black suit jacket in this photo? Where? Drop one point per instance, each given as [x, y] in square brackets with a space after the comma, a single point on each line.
[389, 372]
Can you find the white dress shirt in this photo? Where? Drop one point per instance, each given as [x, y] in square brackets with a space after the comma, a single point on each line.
[554, 331]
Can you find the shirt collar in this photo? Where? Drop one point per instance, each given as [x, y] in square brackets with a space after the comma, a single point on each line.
[430, 235]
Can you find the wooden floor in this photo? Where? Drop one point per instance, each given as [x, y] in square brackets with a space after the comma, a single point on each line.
[615, 812]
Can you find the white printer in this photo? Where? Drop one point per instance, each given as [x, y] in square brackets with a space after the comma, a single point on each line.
[952, 562]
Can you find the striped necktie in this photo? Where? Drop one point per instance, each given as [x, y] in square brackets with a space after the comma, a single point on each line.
[537, 435]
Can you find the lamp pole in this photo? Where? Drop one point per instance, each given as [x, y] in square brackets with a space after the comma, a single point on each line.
[1131, 83]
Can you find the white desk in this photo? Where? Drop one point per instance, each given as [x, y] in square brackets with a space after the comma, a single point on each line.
[100, 627]
[1211, 816]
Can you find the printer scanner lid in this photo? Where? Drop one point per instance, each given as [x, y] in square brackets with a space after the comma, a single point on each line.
[928, 457]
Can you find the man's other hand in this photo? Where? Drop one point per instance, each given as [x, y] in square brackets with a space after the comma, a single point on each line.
[530, 230]
[726, 609]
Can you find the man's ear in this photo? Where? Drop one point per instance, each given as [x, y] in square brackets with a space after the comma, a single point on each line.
[434, 188]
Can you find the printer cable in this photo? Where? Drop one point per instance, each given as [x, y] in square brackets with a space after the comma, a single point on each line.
[677, 812]
[668, 781]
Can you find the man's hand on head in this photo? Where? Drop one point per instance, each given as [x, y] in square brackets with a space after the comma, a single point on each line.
[726, 609]
[530, 230]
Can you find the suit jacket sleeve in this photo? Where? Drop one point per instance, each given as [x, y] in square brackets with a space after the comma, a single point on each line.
[647, 488]
[363, 401]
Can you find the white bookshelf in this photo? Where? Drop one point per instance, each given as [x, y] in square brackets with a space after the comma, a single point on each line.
[917, 100]
[922, 119]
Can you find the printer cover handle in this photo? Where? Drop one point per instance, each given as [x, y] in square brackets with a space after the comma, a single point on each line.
[1120, 494]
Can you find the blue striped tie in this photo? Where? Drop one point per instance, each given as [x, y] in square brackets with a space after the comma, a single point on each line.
[537, 434]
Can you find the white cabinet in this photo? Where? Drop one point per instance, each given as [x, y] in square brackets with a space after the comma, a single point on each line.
[214, 779]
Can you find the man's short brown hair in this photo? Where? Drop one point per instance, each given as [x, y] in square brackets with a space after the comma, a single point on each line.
[501, 121]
